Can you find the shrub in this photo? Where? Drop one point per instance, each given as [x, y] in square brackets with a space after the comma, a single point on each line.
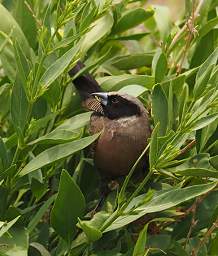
[49, 187]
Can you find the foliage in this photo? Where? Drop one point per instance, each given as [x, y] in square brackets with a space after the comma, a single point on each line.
[48, 184]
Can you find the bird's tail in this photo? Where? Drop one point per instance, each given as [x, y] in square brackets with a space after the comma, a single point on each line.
[85, 84]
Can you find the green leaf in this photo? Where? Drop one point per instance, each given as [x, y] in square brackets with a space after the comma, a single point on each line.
[204, 121]
[161, 242]
[76, 122]
[16, 244]
[40, 248]
[9, 172]
[201, 107]
[113, 83]
[159, 66]
[209, 44]
[38, 216]
[5, 93]
[19, 108]
[38, 125]
[7, 56]
[136, 37]
[58, 67]
[88, 15]
[93, 234]
[198, 172]
[7, 226]
[167, 199]
[206, 133]
[53, 95]
[183, 100]
[204, 10]
[98, 220]
[188, 8]
[171, 108]
[67, 209]
[101, 28]
[161, 201]
[153, 153]
[26, 21]
[132, 18]
[162, 19]
[132, 61]
[204, 73]
[214, 246]
[201, 83]
[133, 90]
[57, 136]
[10, 31]
[38, 188]
[160, 108]
[69, 130]
[9, 26]
[3, 156]
[214, 161]
[23, 68]
[207, 27]
[139, 249]
[57, 153]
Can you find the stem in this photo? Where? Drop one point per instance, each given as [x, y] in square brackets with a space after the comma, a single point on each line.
[183, 29]
[188, 43]
[119, 211]
[193, 223]
[140, 187]
[16, 155]
[127, 179]
[205, 238]
[111, 219]
[187, 147]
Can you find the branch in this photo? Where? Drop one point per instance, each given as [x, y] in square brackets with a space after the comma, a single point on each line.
[180, 33]
[205, 238]
[187, 147]
[193, 221]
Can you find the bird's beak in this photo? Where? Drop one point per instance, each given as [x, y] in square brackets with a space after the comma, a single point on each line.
[102, 97]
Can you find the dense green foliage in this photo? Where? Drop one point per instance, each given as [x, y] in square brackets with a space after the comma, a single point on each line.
[49, 188]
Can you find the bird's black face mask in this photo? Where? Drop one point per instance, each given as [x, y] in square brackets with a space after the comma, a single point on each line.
[114, 106]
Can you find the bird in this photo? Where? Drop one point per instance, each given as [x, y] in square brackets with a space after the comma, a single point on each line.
[122, 120]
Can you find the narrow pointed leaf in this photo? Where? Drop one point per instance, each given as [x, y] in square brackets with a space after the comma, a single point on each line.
[58, 67]
[132, 18]
[153, 153]
[64, 215]
[92, 233]
[57, 153]
[113, 83]
[160, 108]
[161, 201]
[101, 28]
[159, 66]
[19, 107]
[139, 249]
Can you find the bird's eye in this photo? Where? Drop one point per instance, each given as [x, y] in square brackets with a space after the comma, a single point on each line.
[114, 100]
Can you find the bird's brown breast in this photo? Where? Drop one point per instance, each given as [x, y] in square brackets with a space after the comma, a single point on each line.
[120, 143]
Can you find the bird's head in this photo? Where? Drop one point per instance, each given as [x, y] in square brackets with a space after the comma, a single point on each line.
[115, 105]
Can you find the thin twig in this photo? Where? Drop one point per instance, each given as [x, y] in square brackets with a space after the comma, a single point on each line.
[193, 222]
[39, 23]
[190, 25]
[205, 238]
[187, 147]
[183, 29]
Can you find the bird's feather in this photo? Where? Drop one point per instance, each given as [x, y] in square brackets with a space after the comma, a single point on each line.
[85, 84]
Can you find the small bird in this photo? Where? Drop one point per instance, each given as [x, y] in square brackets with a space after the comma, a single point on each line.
[123, 121]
